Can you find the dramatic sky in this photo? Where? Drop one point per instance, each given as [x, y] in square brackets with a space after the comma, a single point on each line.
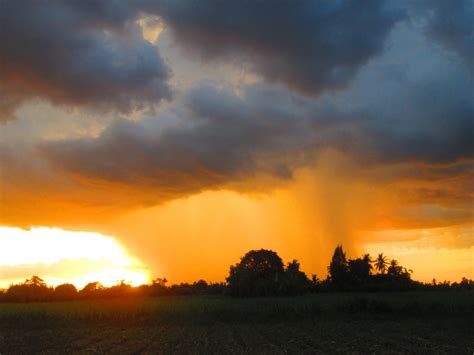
[163, 138]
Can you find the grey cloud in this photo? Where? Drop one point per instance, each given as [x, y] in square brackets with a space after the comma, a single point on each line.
[450, 23]
[310, 46]
[8, 104]
[414, 103]
[90, 53]
[425, 123]
[78, 53]
[221, 139]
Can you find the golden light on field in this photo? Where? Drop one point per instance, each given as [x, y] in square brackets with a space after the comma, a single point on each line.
[60, 256]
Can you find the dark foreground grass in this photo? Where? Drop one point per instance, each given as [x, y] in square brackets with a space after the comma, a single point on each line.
[418, 322]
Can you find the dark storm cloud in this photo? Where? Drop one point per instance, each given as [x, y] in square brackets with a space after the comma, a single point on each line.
[430, 121]
[311, 46]
[77, 53]
[90, 53]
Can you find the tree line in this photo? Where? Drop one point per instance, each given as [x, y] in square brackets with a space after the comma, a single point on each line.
[262, 273]
[259, 273]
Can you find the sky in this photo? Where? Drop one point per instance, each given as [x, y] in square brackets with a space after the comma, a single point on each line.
[143, 139]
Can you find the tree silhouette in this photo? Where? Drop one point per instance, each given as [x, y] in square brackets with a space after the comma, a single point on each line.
[92, 289]
[338, 268]
[160, 281]
[381, 263]
[368, 260]
[399, 274]
[394, 269]
[258, 273]
[35, 281]
[359, 269]
[120, 289]
[32, 290]
[199, 287]
[158, 287]
[65, 292]
[295, 280]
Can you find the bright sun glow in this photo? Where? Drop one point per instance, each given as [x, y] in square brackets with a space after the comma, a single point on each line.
[61, 256]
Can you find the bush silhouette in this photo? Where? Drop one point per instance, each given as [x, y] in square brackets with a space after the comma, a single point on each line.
[65, 292]
[92, 289]
[359, 271]
[32, 290]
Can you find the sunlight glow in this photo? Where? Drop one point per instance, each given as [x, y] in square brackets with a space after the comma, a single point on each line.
[151, 28]
[61, 256]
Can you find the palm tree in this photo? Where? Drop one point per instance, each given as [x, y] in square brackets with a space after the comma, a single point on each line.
[381, 263]
[394, 269]
[368, 260]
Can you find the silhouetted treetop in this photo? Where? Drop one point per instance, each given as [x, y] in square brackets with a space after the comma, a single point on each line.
[263, 262]
[381, 263]
[261, 273]
[295, 281]
[360, 269]
[257, 274]
[338, 268]
[35, 281]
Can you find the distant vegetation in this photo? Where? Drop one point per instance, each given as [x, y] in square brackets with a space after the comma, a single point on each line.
[259, 273]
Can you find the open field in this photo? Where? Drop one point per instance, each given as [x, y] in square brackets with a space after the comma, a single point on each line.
[336, 322]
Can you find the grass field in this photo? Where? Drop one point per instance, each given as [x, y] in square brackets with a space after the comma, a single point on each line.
[415, 322]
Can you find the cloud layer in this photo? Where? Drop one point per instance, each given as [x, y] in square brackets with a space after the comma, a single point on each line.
[417, 110]
[388, 85]
[309, 46]
[80, 54]
[94, 55]
[450, 23]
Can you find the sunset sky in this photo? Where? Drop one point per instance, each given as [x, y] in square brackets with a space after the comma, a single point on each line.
[143, 139]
